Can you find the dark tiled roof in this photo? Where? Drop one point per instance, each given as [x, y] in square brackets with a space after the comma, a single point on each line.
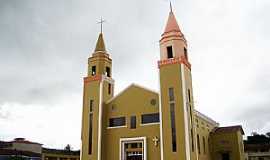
[22, 140]
[60, 151]
[229, 129]
[19, 153]
[18, 140]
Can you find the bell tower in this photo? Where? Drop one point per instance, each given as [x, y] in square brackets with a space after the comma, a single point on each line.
[177, 130]
[98, 88]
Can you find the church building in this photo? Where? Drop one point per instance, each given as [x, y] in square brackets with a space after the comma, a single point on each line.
[141, 124]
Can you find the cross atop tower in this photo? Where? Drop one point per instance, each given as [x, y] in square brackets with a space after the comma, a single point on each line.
[101, 24]
[171, 6]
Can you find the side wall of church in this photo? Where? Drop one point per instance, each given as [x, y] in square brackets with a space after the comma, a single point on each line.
[227, 143]
[203, 128]
[190, 112]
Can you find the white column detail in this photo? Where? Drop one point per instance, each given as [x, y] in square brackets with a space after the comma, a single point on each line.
[185, 112]
[161, 122]
[100, 118]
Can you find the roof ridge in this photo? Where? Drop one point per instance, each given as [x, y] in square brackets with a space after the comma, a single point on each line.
[125, 89]
[206, 117]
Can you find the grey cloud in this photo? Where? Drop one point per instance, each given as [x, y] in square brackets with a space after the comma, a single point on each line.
[42, 43]
[44, 46]
[41, 52]
[254, 104]
[255, 118]
[4, 114]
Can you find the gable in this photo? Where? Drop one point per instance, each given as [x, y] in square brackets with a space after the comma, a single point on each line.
[229, 129]
[131, 88]
[134, 100]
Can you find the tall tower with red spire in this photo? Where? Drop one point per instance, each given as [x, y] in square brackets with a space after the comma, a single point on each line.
[177, 130]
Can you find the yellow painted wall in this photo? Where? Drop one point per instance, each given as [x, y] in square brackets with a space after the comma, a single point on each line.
[203, 129]
[227, 142]
[91, 91]
[190, 108]
[134, 101]
[50, 156]
[170, 76]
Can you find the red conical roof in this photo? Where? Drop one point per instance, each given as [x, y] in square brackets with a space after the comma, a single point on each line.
[172, 25]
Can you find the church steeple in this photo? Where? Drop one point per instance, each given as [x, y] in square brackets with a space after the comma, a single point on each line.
[100, 46]
[100, 62]
[98, 88]
[173, 43]
[172, 28]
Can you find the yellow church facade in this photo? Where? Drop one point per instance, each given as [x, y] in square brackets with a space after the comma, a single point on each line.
[142, 124]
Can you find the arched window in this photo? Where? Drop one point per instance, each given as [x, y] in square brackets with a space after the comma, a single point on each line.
[198, 144]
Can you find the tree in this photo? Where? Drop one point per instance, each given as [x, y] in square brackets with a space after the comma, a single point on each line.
[254, 133]
[267, 134]
[68, 147]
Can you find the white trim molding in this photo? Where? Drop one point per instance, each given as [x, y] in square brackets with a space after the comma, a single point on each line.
[100, 118]
[150, 124]
[160, 119]
[117, 127]
[135, 139]
[185, 112]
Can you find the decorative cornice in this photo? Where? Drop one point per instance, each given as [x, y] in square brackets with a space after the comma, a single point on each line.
[100, 57]
[178, 36]
[98, 78]
[181, 60]
[172, 39]
[92, 78]
[100, 53]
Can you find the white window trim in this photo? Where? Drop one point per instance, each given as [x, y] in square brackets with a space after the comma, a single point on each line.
[149, 124]
[117, 127]
[133, 139]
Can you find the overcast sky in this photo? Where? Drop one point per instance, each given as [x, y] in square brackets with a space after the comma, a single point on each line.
[44, 46]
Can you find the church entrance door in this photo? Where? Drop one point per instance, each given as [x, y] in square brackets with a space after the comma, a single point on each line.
[135, 157]
[133, 149]
[225, 156]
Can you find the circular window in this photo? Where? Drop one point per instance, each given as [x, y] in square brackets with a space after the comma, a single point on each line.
[153, 102]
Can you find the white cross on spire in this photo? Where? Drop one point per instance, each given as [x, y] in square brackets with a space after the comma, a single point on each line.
[101, 24]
